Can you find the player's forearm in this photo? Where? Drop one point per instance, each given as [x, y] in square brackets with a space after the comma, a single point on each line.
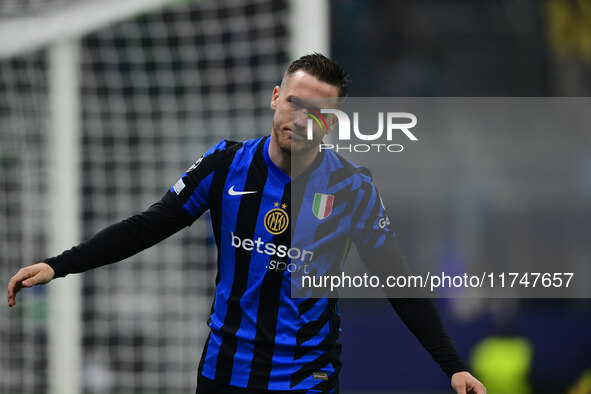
[422, 318]
[418, 313]
[122, 240]
[114, 243]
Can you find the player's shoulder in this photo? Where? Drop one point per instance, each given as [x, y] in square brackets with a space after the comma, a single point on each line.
[229, 146]
[223, 146]
[211, 159]
[226, 149]
[345, 171]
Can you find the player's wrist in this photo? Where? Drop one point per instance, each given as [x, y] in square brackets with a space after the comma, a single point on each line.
[54, 264]
[50, 272]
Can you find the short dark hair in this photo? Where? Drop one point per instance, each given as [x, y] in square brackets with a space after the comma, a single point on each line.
[323, 68]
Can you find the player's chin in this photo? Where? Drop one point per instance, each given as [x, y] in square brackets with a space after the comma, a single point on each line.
[299, 138]
[295, 143]
[301, 147]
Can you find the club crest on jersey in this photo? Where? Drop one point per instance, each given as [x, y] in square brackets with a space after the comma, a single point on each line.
[277, 220]
[322, 206]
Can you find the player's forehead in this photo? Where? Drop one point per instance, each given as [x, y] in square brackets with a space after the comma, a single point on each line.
[303, 85]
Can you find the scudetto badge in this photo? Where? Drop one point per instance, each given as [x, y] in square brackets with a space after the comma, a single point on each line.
[322, 206]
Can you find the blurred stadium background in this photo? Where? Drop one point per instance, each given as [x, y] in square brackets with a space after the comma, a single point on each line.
[133, 91]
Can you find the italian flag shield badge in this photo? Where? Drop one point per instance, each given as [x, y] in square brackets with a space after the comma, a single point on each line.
[322, 206]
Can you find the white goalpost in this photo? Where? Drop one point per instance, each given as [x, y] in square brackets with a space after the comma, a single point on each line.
[309, 24]
[103, 104]
[64, 208]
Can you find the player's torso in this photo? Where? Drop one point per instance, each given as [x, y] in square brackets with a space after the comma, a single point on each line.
[270, 227]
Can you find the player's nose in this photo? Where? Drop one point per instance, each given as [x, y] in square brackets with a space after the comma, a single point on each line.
[299, 120]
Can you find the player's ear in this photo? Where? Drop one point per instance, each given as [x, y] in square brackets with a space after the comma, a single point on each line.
[275, 97]
[332, 122]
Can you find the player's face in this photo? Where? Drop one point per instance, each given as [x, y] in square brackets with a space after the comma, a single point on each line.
[290, 121]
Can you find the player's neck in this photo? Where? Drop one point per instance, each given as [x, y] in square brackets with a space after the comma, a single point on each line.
[292, 165]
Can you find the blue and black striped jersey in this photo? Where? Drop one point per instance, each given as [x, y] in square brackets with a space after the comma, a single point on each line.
[264, 222]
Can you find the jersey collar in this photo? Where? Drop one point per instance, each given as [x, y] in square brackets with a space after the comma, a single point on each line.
[278, 172]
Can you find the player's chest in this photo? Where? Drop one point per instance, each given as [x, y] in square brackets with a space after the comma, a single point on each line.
[260, 205]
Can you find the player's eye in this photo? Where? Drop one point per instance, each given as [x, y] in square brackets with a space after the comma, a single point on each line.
[295, 103]
[298, 104]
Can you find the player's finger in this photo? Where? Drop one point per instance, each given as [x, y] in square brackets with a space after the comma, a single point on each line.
[32, 281]
[13, 288]
[461, 389]
[22, 275]
[16, 283]
[479, 389]
[476, 388]
[12, 294]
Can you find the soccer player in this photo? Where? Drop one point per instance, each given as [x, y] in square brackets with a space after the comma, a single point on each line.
[275, 201]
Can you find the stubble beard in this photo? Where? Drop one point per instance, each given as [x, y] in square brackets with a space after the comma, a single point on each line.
[297, 148]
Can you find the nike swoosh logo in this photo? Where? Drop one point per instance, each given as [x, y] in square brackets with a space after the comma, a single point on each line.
[233, 192]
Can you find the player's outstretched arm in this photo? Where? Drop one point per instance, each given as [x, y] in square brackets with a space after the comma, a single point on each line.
[36, 274]
[112, 244]
[465, 383]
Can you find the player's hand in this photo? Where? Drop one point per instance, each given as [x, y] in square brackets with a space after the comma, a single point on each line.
[36, 274]
[465, 383]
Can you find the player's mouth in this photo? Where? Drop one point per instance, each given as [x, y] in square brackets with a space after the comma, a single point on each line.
[295, 133]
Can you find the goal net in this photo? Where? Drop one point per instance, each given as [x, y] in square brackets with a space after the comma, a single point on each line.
[156, 90]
